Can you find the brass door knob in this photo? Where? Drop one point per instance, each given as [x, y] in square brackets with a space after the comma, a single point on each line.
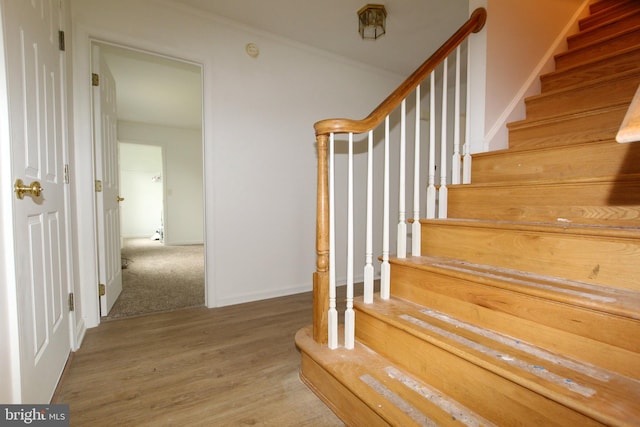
[34, 189]
[119, 199]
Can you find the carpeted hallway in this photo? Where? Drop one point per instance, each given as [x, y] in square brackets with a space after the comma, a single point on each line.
[159, 278]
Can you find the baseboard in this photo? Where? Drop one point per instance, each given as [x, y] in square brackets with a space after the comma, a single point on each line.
[258, 296]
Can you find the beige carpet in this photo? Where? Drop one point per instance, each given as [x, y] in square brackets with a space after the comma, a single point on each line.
[159, 278]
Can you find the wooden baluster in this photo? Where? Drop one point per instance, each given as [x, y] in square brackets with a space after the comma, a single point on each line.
[333, 312]
[401, 243]
[443, 191]
[385, 273]
[368, 267]
[321, 275]
[349, 315]
[415, 227]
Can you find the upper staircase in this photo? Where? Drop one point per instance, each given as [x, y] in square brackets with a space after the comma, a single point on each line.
[524, 306]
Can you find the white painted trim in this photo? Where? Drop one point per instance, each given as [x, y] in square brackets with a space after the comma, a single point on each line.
[83, 179]
[545, 63]
[10, 390]
[258, 296]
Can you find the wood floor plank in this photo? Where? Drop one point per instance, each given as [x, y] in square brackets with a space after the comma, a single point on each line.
[234, 365]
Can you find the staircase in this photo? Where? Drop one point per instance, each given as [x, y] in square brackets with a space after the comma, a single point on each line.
[524, 308]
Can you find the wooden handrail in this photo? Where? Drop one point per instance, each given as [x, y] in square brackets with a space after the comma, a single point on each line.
[473, 25]
[325, 127]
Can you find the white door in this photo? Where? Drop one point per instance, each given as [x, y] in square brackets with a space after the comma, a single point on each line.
[36, 100]
[105, 135]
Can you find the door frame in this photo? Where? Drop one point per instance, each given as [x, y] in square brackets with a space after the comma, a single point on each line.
[84, 155]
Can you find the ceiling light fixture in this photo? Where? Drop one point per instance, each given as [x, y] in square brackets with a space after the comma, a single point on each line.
[371, 21]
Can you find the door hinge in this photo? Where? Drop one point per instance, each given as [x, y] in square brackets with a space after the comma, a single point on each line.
[101, 290]
[95, 79]
[66, 173]
[98, 186]
[72, 304]
[61, 40]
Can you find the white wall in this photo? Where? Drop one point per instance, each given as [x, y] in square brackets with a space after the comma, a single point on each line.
[260, 158]
[141, 209]
[522, 37]
[182, 180]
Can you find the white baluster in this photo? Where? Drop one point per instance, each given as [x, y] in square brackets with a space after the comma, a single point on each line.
[385, 273]
[431, 188]
[368, 267]
[443, 191]
[333, 313]
[401, 243]
[415, 227]
[349, 314]
[466, 162]
[456, 159]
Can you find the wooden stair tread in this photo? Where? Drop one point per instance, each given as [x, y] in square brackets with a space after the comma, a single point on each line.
[601, 394]
[602, 5]
[545, 227]
[398, 397]
[606, 14]
[612, 27]
[525, 123]
[611, 62]
[597, 48]
[524, 163]
[597, 93]
[619, 302]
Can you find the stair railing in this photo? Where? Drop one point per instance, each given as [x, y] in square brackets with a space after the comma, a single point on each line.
[328, 135]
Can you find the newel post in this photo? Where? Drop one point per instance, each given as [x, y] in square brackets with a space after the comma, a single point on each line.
[321, 275]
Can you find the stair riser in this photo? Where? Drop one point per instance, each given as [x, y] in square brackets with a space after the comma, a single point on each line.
[598, 260]
[607, 14]
[626, 61]
[585, 38]
[491, 396]
[580, 333]
[610, 203]
[584, 98]
[579, 56]
[570, 130]
[598, 159]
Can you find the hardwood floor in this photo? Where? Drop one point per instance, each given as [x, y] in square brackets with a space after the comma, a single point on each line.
[230, 366]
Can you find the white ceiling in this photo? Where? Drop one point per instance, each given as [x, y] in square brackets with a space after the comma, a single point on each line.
[415, 28]
[158, 90]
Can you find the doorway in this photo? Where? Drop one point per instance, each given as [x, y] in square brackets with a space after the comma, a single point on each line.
[159, 112]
